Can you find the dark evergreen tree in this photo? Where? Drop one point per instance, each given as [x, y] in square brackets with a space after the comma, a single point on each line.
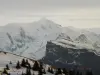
[5, 52]
[9, 74]
[49, 69]
[28, 71]
[23, 73]
[41, 66]
[7, 67]
[70, 72]
[27, 62]
[5, 71]
[29, 66]
[33, 73]
[40, 72]
[10, 62]
[77, 73]
[18, 65]
[89, 73]
[56, 73]
[23, 63]
[64, 71]
[36, 66]
[59, 71]
[80, 73]
[44, 72]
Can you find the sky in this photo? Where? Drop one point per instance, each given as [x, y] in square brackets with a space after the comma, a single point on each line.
[76, 13]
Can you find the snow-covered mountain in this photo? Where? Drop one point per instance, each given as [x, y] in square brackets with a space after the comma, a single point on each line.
[28, 39]
[37, 39]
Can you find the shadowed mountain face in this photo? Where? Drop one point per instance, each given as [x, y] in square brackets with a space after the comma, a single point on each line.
[59, 56]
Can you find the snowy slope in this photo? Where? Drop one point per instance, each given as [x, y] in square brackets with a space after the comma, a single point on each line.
[14, 59]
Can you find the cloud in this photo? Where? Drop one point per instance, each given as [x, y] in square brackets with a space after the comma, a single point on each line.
[46, 4]
[78, 13]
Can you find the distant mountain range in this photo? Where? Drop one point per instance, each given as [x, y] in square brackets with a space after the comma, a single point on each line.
[30, 39]
[54, 44]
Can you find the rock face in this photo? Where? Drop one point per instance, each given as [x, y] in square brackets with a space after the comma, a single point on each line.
[59, 56]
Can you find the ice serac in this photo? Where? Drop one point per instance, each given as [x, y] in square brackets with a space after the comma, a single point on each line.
[28, 39]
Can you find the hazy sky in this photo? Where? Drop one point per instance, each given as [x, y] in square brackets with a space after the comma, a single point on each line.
[77, 13]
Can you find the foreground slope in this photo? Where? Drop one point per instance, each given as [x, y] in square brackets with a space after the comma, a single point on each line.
[11, 60]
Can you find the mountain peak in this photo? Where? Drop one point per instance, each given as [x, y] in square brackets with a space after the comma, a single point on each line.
[82, 39]
[82, 36]
[64, 36]
[45, 20]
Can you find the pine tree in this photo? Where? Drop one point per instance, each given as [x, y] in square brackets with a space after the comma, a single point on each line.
[40, 72]
[41, 66]
[51, 71]
[71, 72]
[7, 67]
[77, 73]
[80, 73]
[18, 65]
[59, 71]
[64, 71]
[5, 52]
[33, 73]
[10, 62]
[89, 73]
[36, 66]
[44, 72]
[28, 71]
[9, 74]
[27, 63]
[5, 71]
[22, 73]
[23, 63]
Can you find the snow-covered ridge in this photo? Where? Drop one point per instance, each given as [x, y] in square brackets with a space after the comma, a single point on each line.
[75, 45]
